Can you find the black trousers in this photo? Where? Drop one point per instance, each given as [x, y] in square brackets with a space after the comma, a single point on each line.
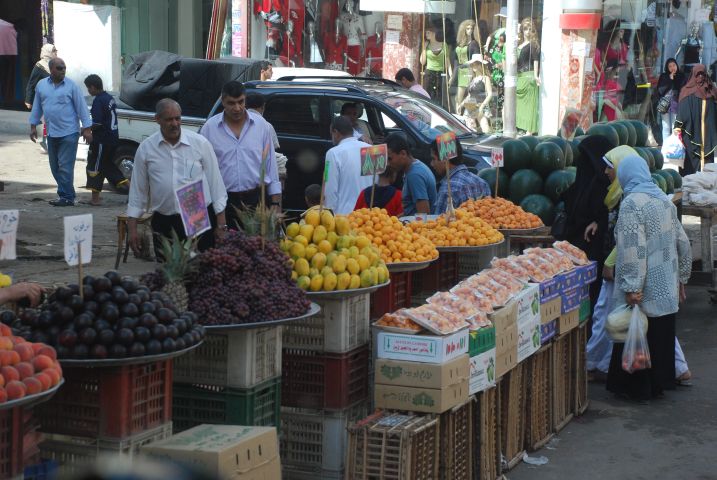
[162, 226]
[240, 201]
[101, 166]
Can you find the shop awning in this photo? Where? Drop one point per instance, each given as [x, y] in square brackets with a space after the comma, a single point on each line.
[409, 6]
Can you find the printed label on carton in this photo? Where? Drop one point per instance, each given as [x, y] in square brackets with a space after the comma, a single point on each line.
[482, 372]
[428, 400]
[422, 348]
[528, 339]
[417, 374]
[549, 289]
[528, 304]
[570, 300]
[569, 279]
[548, 331]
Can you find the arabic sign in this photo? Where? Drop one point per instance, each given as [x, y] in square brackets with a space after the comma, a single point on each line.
[8, 233]
[496, 157]
[78, 239]
[193, 208]
[446, 146]
[373, 159]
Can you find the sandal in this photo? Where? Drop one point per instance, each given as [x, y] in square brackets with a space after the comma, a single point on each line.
[684, 379]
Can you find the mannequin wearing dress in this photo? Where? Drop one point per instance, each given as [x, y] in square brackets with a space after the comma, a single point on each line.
[528, 85]
[691, 46]
[496, 51]
[467, 45]
[314, 53]
[480, 93]
[335, 48]
[433, 60]
[353, 26]
[329, 12]
[270, 11]
[374, 53]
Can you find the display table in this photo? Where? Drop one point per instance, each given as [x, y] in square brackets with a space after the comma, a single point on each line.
[708, 218]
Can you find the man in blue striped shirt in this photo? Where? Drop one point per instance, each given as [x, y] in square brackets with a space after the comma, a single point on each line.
[60, 100]
[464, 184]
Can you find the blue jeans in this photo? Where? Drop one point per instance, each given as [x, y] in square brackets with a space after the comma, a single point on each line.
[62, 152]
[668, 119]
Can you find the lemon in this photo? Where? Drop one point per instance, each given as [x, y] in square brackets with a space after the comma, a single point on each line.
[318, 260]
[382, 273]
[352, 266]
[344, 242]
[330, 258]
[311, 250]
[325, 247]
[354, 252]
[320, 234]
[312, 218]
[316, 283]
[363, 262]
[343, 227]
[355, 282]
[306, 231]
[374, 275]
[326, 270]
[285, 245]
[301, 239]
[344, 280]
[313, 272]
[294, 275]
[302, 267]
[330, 282]
[297, 250]
[362, 242]
[339, 264]
[333, 239]
[293, 230]
[366, 279]
[327, 220]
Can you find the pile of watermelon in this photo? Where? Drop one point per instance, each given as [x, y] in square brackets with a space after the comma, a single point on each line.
[537, 170]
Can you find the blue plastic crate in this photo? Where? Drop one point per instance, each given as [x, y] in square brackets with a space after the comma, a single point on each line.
[46, 470]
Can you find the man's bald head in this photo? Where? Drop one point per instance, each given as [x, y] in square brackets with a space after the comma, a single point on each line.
[165, 104]
[57, 69]
[169, 117]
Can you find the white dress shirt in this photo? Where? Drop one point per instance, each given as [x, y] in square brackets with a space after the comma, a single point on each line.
[160, 168]
[345, 182]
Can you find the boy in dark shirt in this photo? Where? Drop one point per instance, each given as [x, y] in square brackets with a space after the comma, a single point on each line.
[105, 139]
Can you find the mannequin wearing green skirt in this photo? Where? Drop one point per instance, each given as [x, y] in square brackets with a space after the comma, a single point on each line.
[527, 90]
[467, 45]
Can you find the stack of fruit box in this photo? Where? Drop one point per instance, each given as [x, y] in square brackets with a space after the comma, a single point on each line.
[106, 411]
[233, 378]
[325, 376]
[505, 321]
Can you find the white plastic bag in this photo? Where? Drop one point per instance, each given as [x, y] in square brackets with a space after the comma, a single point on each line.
[618, 322]
[636, 353]
[673, 150]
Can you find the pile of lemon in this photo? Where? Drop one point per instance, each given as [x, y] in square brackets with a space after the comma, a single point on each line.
[326, 256]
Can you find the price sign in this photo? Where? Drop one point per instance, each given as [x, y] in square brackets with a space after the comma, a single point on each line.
[496, 157]
[8, 233]
[446, 146]
[78, 239]
[193, 208]
[373, 159]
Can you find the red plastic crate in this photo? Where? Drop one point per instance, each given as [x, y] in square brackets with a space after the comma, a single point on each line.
[440, 275]
[324, 381]
[110, 403]
[11, 442]
[393, 296]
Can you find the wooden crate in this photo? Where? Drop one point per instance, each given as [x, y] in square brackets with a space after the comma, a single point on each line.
[538, 408]
[394, 446]
[512, 416]
[456, 459]
[486, 456]
[562, 385]
[581, 372]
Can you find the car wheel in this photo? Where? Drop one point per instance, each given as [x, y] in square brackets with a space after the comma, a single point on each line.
[124, 158]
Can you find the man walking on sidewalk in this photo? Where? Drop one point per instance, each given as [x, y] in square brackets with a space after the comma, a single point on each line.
[60, 100]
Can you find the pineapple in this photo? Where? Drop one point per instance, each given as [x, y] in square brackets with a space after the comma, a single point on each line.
[251, 222]
[177, 268]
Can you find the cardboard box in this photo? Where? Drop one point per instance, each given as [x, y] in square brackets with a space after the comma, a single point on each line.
[569, 300]
[548, 331]
[428, 400]
[504, 317]
[584, 310]
[423, 375]
[584, 291]
[549, 289]
[568, 321]
[481, 340]
[528, 304]
[224, 451]
[587, 273]
[482, 372]
[505, 362]
[507, 340]
[528, 338]
[569, 279]
[422, 348]
[550, 310]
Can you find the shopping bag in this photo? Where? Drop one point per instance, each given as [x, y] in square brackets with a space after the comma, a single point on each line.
[673, 150]
[636, 353]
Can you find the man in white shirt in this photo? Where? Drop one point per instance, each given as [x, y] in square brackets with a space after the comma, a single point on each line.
[165, 161]
[344, 183]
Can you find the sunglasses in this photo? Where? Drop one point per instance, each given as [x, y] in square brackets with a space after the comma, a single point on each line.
[60, 68]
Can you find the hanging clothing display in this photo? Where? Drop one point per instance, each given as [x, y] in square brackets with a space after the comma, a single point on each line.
[374, 55]
[527, 92]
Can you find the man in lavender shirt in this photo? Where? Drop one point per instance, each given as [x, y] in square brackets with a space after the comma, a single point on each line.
[242, 141]
[405, 78]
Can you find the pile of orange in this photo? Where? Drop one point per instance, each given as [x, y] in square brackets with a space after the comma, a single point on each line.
[395, 242]
[502, 213]
[467, 230]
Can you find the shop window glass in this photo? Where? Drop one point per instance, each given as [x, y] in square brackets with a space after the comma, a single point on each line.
[294, 115]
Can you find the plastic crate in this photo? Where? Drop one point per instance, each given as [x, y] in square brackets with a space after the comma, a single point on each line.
[561, 383]
[110, 402]
[315, 442]
[239, 359]
[539, 428]
[197, 404]
[324, 381]
[512, 416]
[11, 442]
[486, 456]
[393, 296]
[456, 462]
[45, 470]
[580, 373]
[440, 275]
[471, 263]
[340, 326]
[394, 446]
[74, 454]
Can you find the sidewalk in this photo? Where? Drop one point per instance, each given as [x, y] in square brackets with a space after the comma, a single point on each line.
[13, 122]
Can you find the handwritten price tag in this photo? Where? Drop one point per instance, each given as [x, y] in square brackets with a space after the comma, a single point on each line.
[447, 146]
[78, 239]
[8, 233]
[373, 159]
[193, 208]
[496, 157]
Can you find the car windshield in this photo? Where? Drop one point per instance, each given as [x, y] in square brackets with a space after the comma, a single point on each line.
[426, 117]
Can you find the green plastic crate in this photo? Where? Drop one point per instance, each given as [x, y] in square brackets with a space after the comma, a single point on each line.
[584, 310]
[480, 341]
[197, 404]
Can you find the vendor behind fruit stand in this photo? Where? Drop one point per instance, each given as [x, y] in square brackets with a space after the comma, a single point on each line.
[465, 185]
[20, 291]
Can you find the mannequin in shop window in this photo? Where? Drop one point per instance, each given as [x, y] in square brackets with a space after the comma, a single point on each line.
[433, 60]
[691, 46]
[611, 49]
[480, 92]
[269, 10]
[527, 90]
[374, 53]
[329, 12]
[466, 46]
[354, 29]
[335, 48]
[294, 11]
[675, 30]
[611, 104]
[315, 54]
[496, 52]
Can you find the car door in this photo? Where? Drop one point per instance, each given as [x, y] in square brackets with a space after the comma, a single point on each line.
[301, 123]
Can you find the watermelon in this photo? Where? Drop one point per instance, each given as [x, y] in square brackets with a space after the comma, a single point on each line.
[564, 145]
[642, 151]
[530, 141]
[523, 183]
[659, 159]
[516, 156]
[641, 131]
[668, 180]
[569, 154]
[621, 131]
[541, 206]
[676, 177]
[547, 157]
[488, 174]
[660, 182]
[648, 152]
[605, 130]
[557, 182]
[579, 131]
